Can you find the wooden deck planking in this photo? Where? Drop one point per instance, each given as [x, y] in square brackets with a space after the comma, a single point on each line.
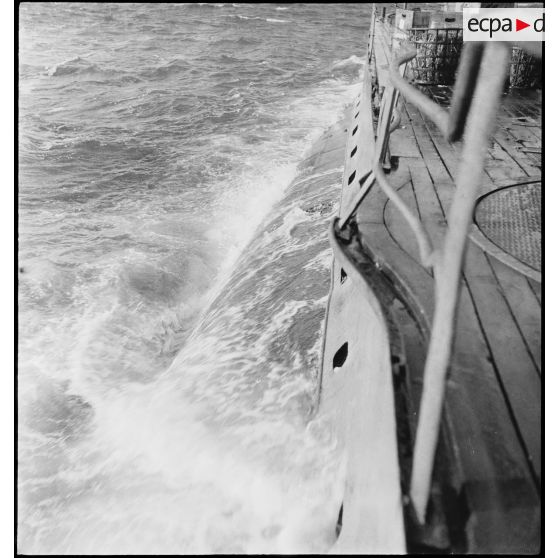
[511, 161]
[489, 431]
[485, 443]
[445, 151]
[525, 102]
[520, 158]
[434, 162]
[398, 227]
[520, 131]
[523, 130]
[523, 304]
[503, 165]
[433, 220]
[493, 395]
[501, 331]
[403, 145]
[427, 199]
[516, 370]
[523, 352]
[536, 288]
[377, 240]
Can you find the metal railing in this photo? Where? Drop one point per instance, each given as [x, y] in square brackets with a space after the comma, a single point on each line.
[481, 76]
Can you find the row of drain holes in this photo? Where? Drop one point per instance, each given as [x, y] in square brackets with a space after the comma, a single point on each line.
[341, 355]
[343, 352]
[352, 177]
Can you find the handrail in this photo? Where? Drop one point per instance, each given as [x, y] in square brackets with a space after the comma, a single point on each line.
[379, 145]
[448, 277]
[428, 255]
[426, 105]
[469, 65]
[480, 80]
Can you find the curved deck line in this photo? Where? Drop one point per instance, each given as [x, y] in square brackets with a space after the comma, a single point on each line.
[479, 238]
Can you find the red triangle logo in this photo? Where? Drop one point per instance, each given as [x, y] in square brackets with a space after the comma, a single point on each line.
[519, 25]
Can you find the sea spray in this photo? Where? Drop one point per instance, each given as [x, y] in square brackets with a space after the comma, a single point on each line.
[173, 285]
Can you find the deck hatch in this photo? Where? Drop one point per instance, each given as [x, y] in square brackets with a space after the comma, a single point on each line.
[511, 219]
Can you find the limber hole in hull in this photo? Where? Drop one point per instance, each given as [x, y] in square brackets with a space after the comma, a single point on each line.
[339, 525]
[354, 151]
[343, 275]
[352, 177]
[341, 355]
[355, 130]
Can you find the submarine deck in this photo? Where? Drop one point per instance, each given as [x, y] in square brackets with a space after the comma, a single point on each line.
[492, 414]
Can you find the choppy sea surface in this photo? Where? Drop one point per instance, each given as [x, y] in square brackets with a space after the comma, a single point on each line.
[172, 287]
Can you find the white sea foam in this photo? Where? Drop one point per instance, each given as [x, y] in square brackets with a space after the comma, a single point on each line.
[321, 260]
[268, 19]
[245, 17]
[242, 206]
[167, 479]
[353, 59]
[164, 386]
[314, 176]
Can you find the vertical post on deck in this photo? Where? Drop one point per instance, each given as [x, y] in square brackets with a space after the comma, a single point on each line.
[480, 123]
[464, 87]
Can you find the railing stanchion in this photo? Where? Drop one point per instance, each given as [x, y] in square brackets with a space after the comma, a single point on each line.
[448, 274]
[475, 103]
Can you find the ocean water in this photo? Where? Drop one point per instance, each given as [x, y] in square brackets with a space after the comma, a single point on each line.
[173, 280]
